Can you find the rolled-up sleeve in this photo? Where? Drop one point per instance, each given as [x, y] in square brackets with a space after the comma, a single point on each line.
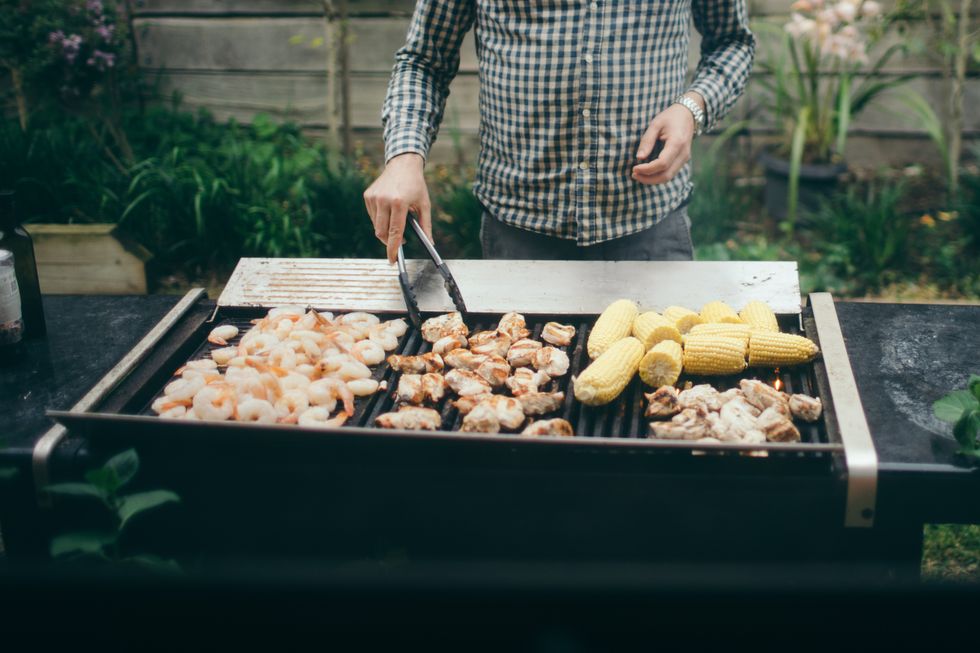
[424, 68]
[727, 54]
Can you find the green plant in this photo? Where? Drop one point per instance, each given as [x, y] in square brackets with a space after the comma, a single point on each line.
[717, 203]
[962, 409]
[104, 485]
[864, 233]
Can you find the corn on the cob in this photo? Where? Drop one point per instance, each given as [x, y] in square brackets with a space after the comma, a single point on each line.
[719, 312]
[711, 355]
[759, 316]
[606, 377]
[737, 331]
[614, 324]
[683, 318]
[777, 349]
[662, 364]
[651, 328]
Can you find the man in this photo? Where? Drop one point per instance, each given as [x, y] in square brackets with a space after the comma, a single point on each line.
[574, 97]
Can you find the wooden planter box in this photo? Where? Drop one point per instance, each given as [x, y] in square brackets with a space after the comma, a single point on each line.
[88, 259]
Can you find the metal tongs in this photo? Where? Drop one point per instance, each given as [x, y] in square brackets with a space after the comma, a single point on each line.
[411, 301]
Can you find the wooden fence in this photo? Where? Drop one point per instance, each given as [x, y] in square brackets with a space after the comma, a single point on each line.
[242, 57]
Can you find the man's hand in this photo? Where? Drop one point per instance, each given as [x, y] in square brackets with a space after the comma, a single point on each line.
[399, 189]
[675, 126]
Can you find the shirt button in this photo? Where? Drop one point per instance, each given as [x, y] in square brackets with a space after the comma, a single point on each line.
[584, 165]
[586, 113]
[588, 58]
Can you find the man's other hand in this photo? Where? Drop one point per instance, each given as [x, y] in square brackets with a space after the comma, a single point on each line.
[675, 126]
[399, 189]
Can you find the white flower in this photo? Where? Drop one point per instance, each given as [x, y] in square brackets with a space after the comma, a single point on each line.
[845, 11]
[870, 9]
[800, 27]
[828, 16]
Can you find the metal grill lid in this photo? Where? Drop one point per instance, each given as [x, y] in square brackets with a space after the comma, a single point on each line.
[554, 287]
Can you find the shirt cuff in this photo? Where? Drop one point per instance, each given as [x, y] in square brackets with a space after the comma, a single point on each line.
[409, 138]
[712, 94]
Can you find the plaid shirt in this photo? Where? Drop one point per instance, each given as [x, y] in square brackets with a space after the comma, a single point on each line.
[567, 88]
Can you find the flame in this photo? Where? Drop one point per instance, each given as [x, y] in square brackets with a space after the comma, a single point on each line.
[778, 384]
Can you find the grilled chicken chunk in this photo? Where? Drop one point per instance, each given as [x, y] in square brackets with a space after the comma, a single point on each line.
[805, 407]
[763, 396]
[465, 404]
[495, 370]
[557, 426]
[686, 425]
[559, 335]
[541, 403]
[777, 426]
[736, 421]
[434, 386]
[411, 418]
[514, 325]
[464, 359]
[521, 353]
[430, 362]
[703, 398]
[663, 402]
[465, 382]
[494, 413]
[418, 388]
[490, 342]
[551, 361]
[728, 395]
[526, 380]
[445, 345]
[450, 324]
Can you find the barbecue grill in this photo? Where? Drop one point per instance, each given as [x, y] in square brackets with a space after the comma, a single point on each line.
[609, 438]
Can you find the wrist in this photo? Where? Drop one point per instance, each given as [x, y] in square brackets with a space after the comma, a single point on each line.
[406, 160]
[695, 108]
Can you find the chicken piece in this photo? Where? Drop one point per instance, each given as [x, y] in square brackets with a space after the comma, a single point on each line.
[464, 359]
[551, 361]
[526, 380]
[728, 395]
[686, 425]
[465, 404]
[559, 335]
[541, 403]
[763, 396]
[482, 419]
[735, 422]
[430, 362]
[805, 407]
[514, 325]
[663, 402]
[410, 389]
[777, 426]
[490, 342]
[557, 426]
[708, 440]
[465, 382]
[445, 345]
[450, 324]
[509, 411]
[521, 352]
[703, 398]
[495, 370]
[412, 418]
[434, 386]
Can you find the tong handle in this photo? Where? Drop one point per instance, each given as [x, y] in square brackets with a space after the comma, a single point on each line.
[411, 302]
[447, 276]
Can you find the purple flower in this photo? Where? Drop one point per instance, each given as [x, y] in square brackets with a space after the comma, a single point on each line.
[70, 47]
[101, 60]
[105, 32]
[94, 6]
[56, 37]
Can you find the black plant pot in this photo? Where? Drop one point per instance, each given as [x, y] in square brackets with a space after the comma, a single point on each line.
[818, 182]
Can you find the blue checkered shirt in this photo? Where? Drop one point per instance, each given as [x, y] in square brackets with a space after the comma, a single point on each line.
[567, 88]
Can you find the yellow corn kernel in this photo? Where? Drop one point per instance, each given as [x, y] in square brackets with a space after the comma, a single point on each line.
[606, 377]
[614, 324]
[777, 349]
[711, 355]
[662, 365]
[738, 331]
[719, 312]
[651, 328]
[759, 316]
[683, 318]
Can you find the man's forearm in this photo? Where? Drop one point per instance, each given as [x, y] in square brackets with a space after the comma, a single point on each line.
[424, 68]
[727, 54]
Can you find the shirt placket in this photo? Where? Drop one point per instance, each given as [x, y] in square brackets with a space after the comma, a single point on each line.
[587, 164]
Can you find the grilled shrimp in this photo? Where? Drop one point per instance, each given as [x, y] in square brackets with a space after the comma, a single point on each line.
[215, 402]
[256, 410]
[318, 416]
[368, 352]
[220, 335]
[290, 405]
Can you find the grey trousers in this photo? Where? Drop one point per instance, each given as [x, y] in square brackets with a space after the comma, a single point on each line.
[668, 240]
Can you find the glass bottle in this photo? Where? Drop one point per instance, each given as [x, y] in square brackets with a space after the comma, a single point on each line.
[11, 324]
[14, 238]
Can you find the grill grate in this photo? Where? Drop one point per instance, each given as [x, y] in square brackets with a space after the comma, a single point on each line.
[622, 418]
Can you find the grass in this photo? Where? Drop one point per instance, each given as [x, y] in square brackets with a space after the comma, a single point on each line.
[951, 553]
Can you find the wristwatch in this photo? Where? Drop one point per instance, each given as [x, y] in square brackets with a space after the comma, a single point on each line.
[693, 107]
